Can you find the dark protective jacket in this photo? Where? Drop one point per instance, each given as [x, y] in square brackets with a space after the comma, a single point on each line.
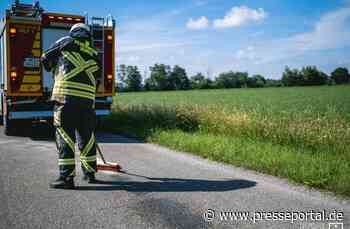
[75, 66]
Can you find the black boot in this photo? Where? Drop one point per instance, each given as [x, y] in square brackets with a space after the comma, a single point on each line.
[90, 178]
[63, 183]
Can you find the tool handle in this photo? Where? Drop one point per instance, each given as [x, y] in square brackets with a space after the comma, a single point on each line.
[100, 153]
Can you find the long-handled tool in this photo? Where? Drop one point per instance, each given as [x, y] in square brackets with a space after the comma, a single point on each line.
[106, 166]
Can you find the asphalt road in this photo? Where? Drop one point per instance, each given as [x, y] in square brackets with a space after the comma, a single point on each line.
[160, 189]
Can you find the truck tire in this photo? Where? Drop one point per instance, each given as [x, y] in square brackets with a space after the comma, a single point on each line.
[8, 126]
[2, 111]
[98, 121]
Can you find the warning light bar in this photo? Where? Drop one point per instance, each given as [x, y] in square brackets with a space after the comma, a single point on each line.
[61, 20]
[65, 18]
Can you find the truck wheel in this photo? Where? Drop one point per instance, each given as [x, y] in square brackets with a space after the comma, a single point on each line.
[98, 122]
[8, 126]
[2, 111]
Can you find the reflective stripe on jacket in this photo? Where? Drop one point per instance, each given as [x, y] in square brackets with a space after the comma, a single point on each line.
[76, 68]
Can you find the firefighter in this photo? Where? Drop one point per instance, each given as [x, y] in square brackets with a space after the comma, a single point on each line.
[75, 67]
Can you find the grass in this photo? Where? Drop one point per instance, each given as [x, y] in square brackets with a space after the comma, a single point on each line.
[301, 133]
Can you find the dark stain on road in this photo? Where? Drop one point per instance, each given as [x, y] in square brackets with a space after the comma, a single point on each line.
[170, 213]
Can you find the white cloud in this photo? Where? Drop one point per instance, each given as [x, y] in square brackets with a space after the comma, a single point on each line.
[151, 46]
[257, 34]
[320, 46]
[133, 59]
[257, 54]
[200, 2]
[332, 31]
[200, 23]
[247, 53]
[241, 15]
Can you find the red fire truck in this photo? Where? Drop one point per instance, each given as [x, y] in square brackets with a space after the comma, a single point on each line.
[25, 32]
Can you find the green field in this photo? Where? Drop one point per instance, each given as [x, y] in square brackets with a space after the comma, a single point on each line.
[300, 133]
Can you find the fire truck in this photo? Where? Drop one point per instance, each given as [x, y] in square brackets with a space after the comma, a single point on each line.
[25, 32]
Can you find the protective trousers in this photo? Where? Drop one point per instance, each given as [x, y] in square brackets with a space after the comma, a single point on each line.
[73, 122]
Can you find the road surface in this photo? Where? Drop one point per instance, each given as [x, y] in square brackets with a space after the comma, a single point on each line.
[160, 189]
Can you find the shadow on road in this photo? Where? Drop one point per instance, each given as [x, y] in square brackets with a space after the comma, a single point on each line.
[104, 137]
[169, 185]
[46, 132]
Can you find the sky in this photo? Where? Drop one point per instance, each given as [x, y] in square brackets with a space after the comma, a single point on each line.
[213, 36]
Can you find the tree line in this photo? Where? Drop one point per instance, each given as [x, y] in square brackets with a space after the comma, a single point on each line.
[164, 77]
